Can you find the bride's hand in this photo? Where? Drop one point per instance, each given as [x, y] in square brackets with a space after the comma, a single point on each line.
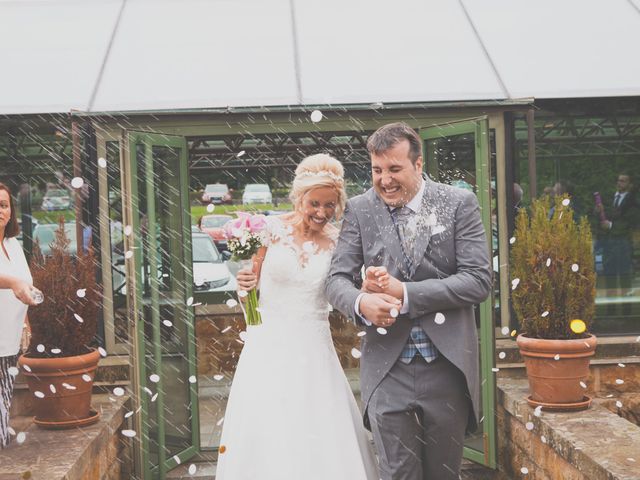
[247, 280]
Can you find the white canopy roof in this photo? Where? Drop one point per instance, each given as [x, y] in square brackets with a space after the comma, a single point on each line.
[121, 55]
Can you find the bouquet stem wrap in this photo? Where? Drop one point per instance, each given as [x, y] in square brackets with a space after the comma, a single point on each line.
[251, 314]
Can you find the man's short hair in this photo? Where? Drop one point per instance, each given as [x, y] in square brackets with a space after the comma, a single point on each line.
[387, 136]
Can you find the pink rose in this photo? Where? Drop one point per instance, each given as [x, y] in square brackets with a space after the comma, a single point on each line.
[257, 223]
[235, 228]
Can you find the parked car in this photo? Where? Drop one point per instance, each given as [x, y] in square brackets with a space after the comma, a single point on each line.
[210, 272]
[212, 224]
[217, 193]
[256, 193]
[56, 199]
[45, 233]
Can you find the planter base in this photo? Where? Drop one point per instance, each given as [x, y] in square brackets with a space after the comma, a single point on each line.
[561, 407]
[81, 422]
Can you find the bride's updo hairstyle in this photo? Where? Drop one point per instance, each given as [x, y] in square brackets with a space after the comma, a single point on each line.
[317, 171]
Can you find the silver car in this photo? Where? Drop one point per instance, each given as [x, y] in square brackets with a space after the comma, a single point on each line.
[257, 193]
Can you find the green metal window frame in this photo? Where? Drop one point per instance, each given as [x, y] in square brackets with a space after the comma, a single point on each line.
[130, 196]
[479, 127]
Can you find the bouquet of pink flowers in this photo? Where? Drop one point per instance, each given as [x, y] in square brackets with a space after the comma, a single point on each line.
[245, 235]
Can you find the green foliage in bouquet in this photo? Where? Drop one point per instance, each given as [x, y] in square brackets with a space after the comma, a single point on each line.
[565, 288]
[64, 321]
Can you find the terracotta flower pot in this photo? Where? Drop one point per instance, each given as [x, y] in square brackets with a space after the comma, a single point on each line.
[555, 369]
[62, 389]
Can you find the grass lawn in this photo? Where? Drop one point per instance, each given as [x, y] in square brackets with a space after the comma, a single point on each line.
[53, 217]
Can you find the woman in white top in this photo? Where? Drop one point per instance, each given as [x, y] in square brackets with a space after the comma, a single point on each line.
[15, 297]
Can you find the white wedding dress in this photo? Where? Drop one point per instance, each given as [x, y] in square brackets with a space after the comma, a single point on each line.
[291, 414]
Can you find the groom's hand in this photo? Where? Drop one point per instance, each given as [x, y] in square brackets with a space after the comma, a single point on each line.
[380, 309]
[378, 280]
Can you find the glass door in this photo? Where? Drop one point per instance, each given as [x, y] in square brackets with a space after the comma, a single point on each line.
[457, 153]
[157, 244]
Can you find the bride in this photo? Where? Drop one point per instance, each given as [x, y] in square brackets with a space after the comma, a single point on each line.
[291, 414]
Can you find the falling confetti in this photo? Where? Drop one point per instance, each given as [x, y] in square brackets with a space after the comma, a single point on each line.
[13, 371]
[38, 394]
[240, 153]
[129, 433]
[548, 262]
[439, 318]
[505, 330]
[219, 422]
[618, 404]
[218, 377]
[355, 353]
[394, 312]
[192, 469]
[128, 229]
[86, 378]
[210, 208]
[68, 387]
[361, 333]
[242, 293]
[52, 387]
[575, 267]
[502, 355]
[537, 411]
[381, 330]
[118, 391]
[78, 318]
[316, 116]
[177, 459]
[231, 303]
[529, 425]
[154, 397]
[77, 182]
[524, 470]
[128, 414]
[167, 323]
[619, 381]
[154, 377]
[192, 379]
[128, 254]
[27, 368]
[189, 301]
[557, 356]
[103, 352]
[512, 240]
[545, 313]
[495, 370]
[243, 336]
[577, 326]
[81, 292]
[566, 202]
[21, 437]
[621, 365]
[583, 385]
[543, 439]
[514, 283]
[226, 329]
[102, 163]
[513, 333]
[40, 348]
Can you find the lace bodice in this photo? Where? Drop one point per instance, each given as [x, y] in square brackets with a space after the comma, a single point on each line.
[292, 277]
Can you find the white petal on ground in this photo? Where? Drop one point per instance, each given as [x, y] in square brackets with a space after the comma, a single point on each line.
[439, 318]
[355, 353]
[543, 439]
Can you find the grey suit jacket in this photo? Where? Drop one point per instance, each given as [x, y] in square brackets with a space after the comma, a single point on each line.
[451, 273]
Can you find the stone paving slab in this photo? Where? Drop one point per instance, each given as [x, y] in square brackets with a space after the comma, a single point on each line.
[599, 443]
[62, 454]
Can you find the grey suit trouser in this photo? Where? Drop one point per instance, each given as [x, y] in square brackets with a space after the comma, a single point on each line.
[418, 417]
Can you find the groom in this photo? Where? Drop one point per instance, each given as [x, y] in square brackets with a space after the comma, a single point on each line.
[419, 373]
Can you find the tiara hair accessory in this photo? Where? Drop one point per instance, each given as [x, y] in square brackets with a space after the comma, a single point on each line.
[321, 173]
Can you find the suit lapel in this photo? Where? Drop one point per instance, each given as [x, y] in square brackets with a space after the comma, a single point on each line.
[388, 232]
[426, 222]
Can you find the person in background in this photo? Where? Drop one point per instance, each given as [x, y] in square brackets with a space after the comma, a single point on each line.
[15, 297]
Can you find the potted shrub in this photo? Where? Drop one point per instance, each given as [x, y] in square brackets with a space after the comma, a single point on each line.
[61, 360]
[553, 294]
